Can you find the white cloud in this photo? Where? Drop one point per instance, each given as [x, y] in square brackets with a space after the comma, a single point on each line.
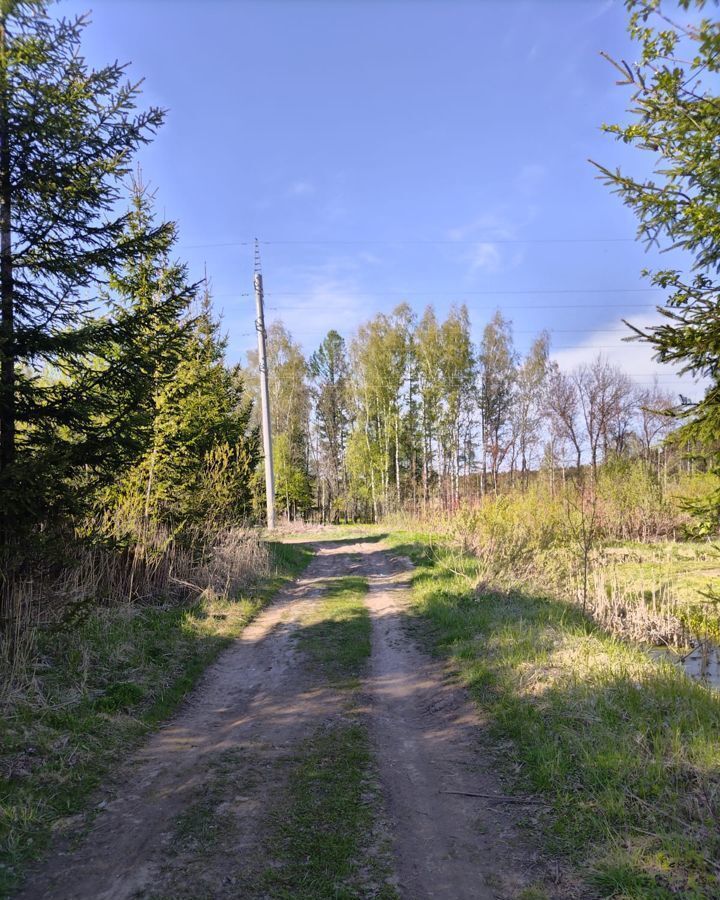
[488, 226]
[636, 358]
[484, 257]
[322, 296]
[483, 238]
[325, 304]
[301, 188]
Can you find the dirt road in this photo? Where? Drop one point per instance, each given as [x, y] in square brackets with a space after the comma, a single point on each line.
[218, 770]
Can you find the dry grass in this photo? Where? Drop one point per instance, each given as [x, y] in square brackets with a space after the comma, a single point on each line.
[652, 614]
[157, 569]
[650, 593]
[97, 665]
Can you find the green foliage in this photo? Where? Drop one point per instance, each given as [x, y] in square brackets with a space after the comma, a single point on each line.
[150, 299]
[633, 503]
[381, 355]
[292, 485]
[69, 134]
[200, 448]
[290, 404]
[674, 117]
[510, 531]
[497, 381]
[330, 374]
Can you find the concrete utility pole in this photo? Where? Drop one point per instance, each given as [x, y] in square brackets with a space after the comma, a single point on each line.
[264, 394]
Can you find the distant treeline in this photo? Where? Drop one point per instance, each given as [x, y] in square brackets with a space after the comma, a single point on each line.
[411, 412]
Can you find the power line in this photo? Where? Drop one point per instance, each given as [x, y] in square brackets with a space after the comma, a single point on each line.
[413, 242]
[637, 306]
[622, 334]
[617, 331]
[323, 305]
[359, 295]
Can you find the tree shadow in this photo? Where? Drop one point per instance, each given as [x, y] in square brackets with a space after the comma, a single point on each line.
[625, 748]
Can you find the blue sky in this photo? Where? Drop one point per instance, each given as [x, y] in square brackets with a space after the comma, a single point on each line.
[390, 150]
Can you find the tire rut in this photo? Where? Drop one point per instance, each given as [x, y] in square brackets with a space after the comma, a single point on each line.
[255, 697]
[428, 740]
[225, 747]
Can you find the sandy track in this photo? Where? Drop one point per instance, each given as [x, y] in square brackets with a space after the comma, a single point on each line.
[254, 696]
[260, 700]
[426, 736]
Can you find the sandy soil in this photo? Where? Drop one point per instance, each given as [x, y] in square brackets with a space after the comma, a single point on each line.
[427, 738]
[221, 754]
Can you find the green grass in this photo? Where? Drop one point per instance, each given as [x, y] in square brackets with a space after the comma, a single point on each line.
[626, 750]
[325, 825]
[680, 570]
[335, 637]
[321, 836]
[102, 685]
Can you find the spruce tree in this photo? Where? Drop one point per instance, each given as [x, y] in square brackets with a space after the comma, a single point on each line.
[149, 301]
[204, 447]
[675, 120]
[67, 137]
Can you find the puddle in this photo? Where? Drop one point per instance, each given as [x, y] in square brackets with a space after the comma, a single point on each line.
[701, 663]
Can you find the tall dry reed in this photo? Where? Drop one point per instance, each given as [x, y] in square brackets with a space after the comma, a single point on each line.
[156, 567]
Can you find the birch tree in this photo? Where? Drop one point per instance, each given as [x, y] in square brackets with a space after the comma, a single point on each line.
[457, 375]
[498, 376]
[527, 408]
[330, 374]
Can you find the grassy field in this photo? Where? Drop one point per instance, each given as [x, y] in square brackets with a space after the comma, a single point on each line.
[103, 682]
[679, 574]
[625, 749]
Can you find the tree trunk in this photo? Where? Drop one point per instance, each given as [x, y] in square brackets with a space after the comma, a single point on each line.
[483, 470]
[397, 458]
[148, 490]
[425, 480]
[7, 312]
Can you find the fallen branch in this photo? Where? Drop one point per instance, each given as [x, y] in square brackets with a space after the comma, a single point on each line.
[498, 798]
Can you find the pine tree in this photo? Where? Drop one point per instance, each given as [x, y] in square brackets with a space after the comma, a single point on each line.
[67, 137]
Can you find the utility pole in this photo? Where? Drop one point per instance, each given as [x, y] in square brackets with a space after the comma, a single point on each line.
[264, 394]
